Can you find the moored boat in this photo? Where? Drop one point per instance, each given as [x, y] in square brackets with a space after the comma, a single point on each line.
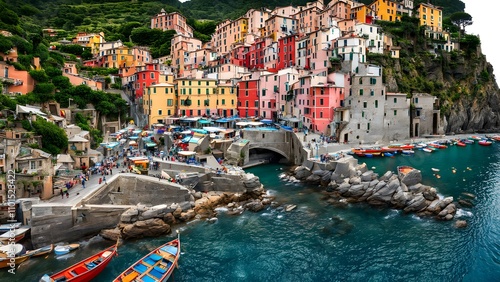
[62, 250]
[485, 143]
[41, 251]
[408, 152]
[86, 269]
[9, 226]
[155, 266]
[435, 169]
[7, 261]
[18, 234]
[12, 250]
[428, 150]
[461, 144]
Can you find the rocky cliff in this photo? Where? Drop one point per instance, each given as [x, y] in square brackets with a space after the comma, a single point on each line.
[462, 79]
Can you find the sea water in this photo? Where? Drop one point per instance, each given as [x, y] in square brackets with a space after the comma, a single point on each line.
[320, 242]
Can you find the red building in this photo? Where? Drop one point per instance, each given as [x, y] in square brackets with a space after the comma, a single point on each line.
[146, 76]
[248, 98]
[255, 56]
[322, 101]
[286, 52]
[238, 57]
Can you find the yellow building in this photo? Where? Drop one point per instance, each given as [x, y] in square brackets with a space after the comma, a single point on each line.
[118, 57]
[226, 100]
[196, 97]
[362, 14]
[386, 10]
[430, 16]
[242, 30]
[160, 101]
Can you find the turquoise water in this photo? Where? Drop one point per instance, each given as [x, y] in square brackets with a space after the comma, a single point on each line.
[320, 242]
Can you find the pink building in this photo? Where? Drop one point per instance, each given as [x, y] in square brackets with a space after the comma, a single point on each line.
[307, 19]
[180, 48]
[278, 26]
[171, 21]
[269, 92]
[257, 20]
[15, 82]
[76, 80]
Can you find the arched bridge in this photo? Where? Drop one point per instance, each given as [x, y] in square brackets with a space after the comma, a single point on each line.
[282, 142]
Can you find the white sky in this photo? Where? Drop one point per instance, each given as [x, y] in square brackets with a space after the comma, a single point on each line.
[484, 15]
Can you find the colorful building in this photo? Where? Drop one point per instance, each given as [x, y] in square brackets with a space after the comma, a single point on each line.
[197, 97]
[386, 10]
[286, 52]
[144, 77]
[226, 99]
[430, 16]
[171, 21]
[15, 82]
[160, 100]
[92, 40]
[248, 98]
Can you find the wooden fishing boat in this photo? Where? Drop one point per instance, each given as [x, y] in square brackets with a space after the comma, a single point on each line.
[9, 226]
[485, 143]
[469, 141]
[62, 250]
[155, 266]
[41, 251]
[408, 152]
[18, 234]
[7, 262]
[496, 138]
[86, 269]
[12, 250]
[438, 146]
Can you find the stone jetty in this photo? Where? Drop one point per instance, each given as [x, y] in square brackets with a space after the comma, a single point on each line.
[150, 221]
[345, 180]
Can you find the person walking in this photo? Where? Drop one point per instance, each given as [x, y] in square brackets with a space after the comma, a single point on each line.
[104, 179]
[83, 183]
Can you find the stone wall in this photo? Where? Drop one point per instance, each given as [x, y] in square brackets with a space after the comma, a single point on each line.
[132, 189]
[285, 143]
[53, 224]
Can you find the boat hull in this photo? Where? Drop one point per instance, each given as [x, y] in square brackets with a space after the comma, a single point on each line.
[41, 251]
[5, 262]
[158, 265]
[87, 269]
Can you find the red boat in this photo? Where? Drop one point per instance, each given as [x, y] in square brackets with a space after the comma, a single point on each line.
[87, 269]
[461, 144]
[485, 143]
[438, 146]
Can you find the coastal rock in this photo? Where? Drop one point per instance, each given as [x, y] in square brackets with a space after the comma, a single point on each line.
[465, 203]
[461, 224]
[197, 195]
[384, 194]
[355, 191]
[111, 234]
[416, 204]
[308, 164]
[313, 179]
[331, 187]
[367, 176]
[325, 179]
[331, 165]
[334, 177]
[362, 168]
[147, 228]
[188, 215]
[342, 169]
[449, 209]
[373, 183]
[251, 183]
[404, 187]
[379, 186]
[412, 177]
[129, 215]
[355, 180]
[430, 193]
[177, 212]
[169, 218]
[155, 211]
[254, 206]
[445, 202]
[399, 198]
[386, 176]
[320, 172]
[302, 172]
[434, 206]
[344, 187]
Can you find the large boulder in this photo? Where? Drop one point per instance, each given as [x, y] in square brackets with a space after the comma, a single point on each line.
[445, 202]
[355, 180]
[325, 179]
[355, 191]
[367, 176]
[416, 204]
[252, 182]
[254, 206]
[111, 234]
[386, 176]
[313, 179]
[384, 194]
[302, 172]
[130, 215]
[343, 188]
[430, 193]
[413, 177]
[343, 169]
[156, 211]
[362, 168]
[399, 198]
[146, 228]
[434, 206]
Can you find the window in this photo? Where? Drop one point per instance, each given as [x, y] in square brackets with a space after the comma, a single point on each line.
[363, 114]
[373, 81]
[376, 103]
[199, 91]
[199, 102]
[170, 102]
[395, 112]
[365, 104]
[321, 102]
[256, 104]
[32, 165]
[360, 80]
[223, 101]
[395, 100]
[416, 100]
[264, 91]
[152, 75]
[372, 92]
[160, 112]
[361, 92]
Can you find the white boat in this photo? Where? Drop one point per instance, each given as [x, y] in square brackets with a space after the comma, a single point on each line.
[8, 226]
[62, 250]
[435, 169]
[8, 250]
[408, 152]
[427, 150]
[18, 234]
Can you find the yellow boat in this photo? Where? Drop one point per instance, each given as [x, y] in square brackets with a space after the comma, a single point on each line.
[9, 262]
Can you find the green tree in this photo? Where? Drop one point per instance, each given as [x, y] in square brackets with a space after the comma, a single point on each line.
[54, 138]
[39, 75]
[44, 92]
[61, 82]
[461, 20]
[9, 17]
